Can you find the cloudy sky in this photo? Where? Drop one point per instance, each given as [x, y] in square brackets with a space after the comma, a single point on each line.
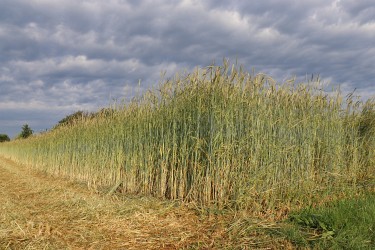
[60, 56]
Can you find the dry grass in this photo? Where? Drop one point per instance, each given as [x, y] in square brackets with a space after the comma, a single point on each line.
[41, 212]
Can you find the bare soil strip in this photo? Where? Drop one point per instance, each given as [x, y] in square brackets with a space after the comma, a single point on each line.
[42, 212]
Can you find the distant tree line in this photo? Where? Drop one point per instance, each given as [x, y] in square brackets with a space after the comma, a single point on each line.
[4, 137]
[80, 115]
[71, 119]
[25, 133]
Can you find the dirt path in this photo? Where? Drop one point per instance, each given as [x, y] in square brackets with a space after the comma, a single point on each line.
[41, 212]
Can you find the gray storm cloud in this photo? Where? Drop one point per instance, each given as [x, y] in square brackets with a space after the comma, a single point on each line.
[61, 56]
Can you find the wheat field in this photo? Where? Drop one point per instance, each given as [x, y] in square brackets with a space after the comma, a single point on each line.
[217, 137]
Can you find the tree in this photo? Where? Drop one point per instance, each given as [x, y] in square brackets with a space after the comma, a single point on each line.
[73, 118]
[4, 137]
[80, 116]
[26, 131]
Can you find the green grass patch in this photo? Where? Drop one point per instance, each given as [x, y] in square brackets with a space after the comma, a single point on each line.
[345, 224]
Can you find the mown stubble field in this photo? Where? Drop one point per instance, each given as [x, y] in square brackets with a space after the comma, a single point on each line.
[42, 212]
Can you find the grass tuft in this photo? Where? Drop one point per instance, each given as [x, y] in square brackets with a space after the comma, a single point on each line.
[345, 224]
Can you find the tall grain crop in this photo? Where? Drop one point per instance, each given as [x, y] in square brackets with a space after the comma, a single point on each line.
[218, 136]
